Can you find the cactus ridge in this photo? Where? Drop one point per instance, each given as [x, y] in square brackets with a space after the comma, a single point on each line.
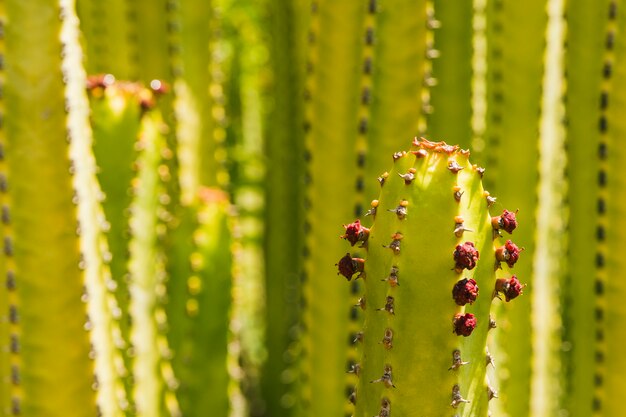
[424, 345]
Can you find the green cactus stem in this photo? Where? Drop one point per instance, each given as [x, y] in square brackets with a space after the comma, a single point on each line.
[401, 75]
[452, 68]
[201, 356]
[594, 309]
[107, 36]
[331, 122]
[152, 373]
[430, 277]
[51, 373]
[508, 147]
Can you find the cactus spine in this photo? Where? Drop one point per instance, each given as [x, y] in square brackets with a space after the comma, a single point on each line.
[430, 250]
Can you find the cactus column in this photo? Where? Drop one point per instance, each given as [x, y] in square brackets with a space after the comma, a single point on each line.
[430, 250]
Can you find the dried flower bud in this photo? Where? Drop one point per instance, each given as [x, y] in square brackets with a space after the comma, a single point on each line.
[508, 253]
[506, 221]
[465, 256]
[465, 291]
[511, 287]
[355, 232]
[348, 266]
[464, 324]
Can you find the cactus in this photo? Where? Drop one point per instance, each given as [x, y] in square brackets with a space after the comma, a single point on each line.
[432, 270]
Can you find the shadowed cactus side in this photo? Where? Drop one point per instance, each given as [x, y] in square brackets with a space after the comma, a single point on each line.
[433, 267]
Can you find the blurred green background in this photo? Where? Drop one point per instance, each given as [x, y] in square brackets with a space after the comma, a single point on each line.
[170, 232]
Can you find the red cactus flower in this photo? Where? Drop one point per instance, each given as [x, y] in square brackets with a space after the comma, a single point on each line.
[348, 266]
[465, 291]
[506, 221]
[511, 287]
[464, 324]
[508, 253]
[465, 256]
[355, 232]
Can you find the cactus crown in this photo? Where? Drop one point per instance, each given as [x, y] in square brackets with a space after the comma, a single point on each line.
[430, 277]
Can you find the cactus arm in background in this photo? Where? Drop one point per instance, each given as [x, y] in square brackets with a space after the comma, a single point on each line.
[152, 374]
[400, 72]
[450, 97]
[551, 215]
[609, 309]
[509, 149]
[106, 30]
[408, 340]
[284, 212]
[331, 123]
[586, 36]
[193, 103]
[49, 347]
[202, 351]
[6, 316]
[106, 336]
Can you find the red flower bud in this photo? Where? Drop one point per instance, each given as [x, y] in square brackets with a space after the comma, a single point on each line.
[506, 221]
[465, 256]
[348, 266]
[508, 253]
[511, 287]
[464, 324]
[465, 291]
[355, 232]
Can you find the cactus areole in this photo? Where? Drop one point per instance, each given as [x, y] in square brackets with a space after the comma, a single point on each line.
[423, 343]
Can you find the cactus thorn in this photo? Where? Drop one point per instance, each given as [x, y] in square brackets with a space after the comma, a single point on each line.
[480, 170]
[454, 166]
[465, 256]
[511, 288]
[508, 253]
[491, 393]
[348, 266]
[386, 378]
[457, 362]
[358, 337]
[490, 200]
[361, 303]
[383, 177]
[492, 323]
[457, 193]
[465, 291]
[395, 243]
[372, 210]
[393, 277]
[355, 232]
[388, 305]
[489, 360]
[464, 324]
[459, 228]
[352, 397]
[401, 210]
[385, 408]
[409, 176]
[398, 155]
[457, 398]
[355, 369]
[387, 341]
